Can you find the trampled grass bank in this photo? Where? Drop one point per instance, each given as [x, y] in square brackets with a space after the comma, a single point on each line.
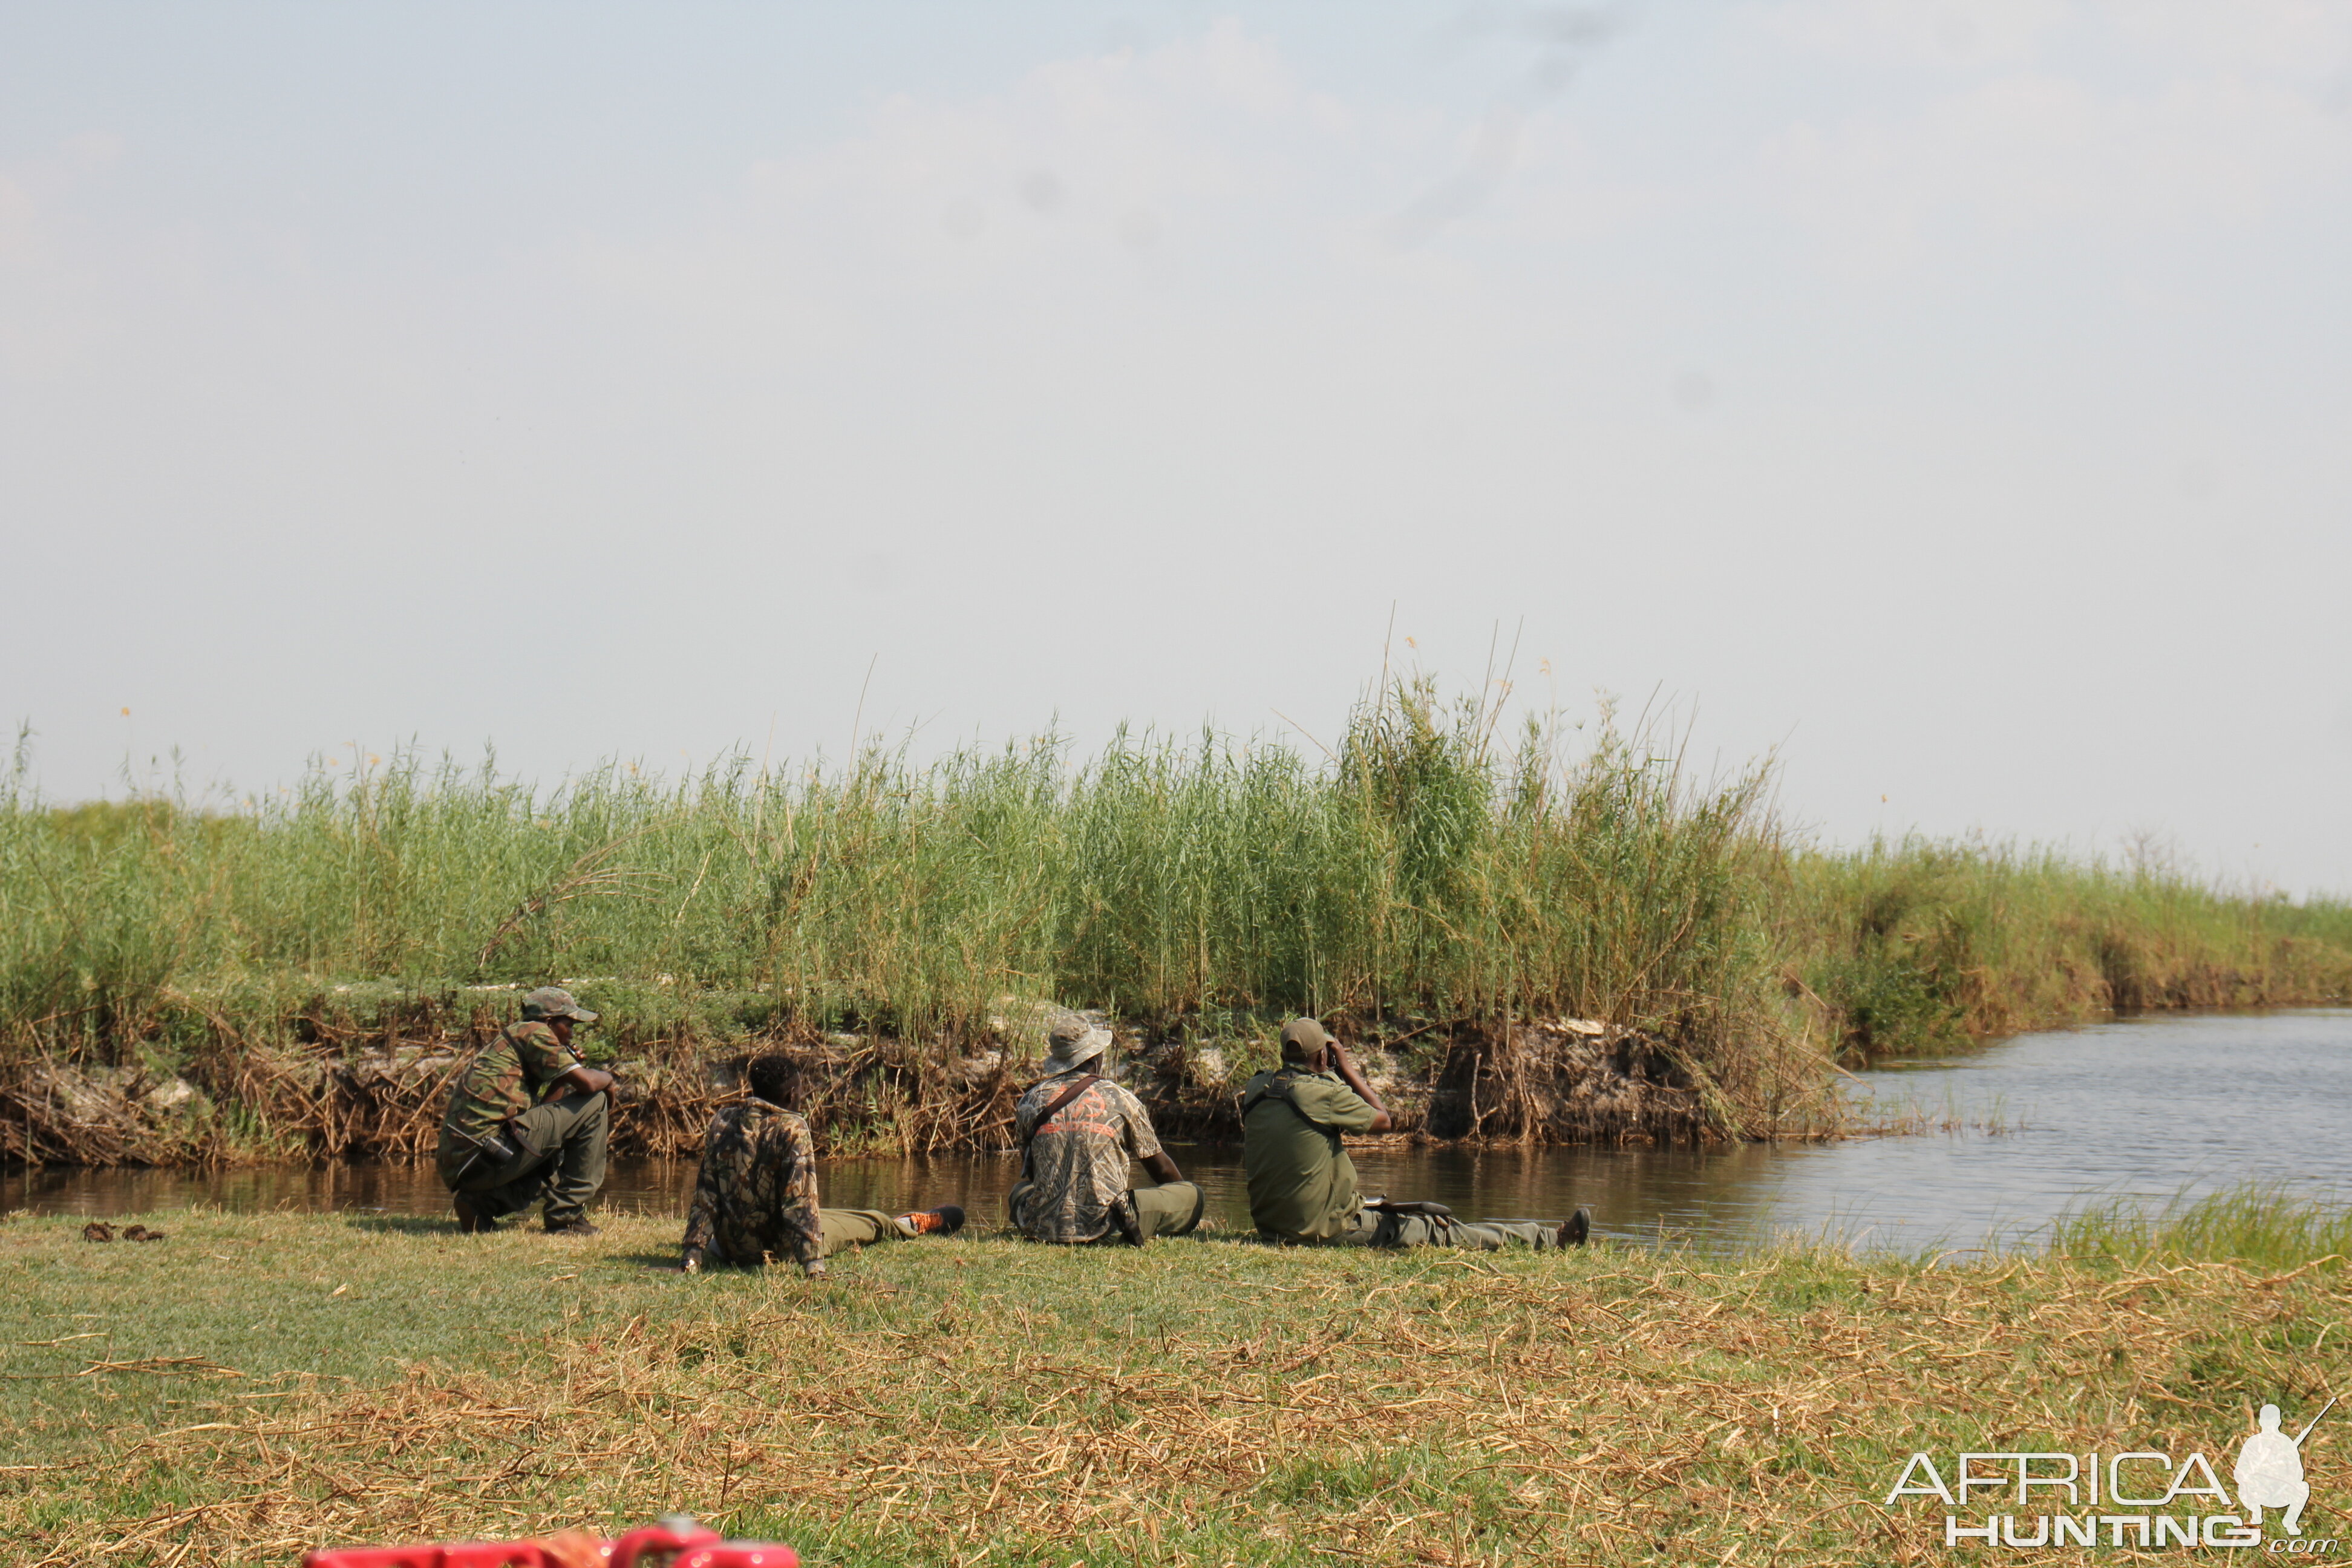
[289, 973]
[257, 1385]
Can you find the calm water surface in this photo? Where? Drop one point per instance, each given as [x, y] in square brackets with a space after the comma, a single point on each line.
[2141, 1110]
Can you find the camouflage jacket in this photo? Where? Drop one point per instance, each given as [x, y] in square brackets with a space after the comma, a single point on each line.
[505, 1079]
[1077, 1160]
[755, 1197]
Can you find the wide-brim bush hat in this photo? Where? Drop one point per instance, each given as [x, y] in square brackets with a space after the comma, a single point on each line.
[1072, 1042]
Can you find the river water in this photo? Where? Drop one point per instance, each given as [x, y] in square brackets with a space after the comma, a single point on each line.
[2143, 1109]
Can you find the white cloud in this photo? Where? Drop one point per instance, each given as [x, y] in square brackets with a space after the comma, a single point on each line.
[2299, 40]
[1914, 33]
[2034, 152]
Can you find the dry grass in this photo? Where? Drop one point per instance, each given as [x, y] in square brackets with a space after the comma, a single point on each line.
[259, 1384]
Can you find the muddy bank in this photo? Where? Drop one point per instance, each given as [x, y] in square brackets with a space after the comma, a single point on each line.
[336, 1090]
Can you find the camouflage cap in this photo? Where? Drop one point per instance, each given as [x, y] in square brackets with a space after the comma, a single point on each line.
[1072, 1042]
[555, 1002]
[1302, 1037]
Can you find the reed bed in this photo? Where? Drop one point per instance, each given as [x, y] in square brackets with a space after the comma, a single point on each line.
[256, 1385]
[1440, 880]
[1913, 945]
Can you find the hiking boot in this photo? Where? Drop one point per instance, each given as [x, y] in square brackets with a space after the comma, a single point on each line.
[1123, 1214]
[471, 1221]
[1576, 1228]
[945, 1220]
[570, 1228]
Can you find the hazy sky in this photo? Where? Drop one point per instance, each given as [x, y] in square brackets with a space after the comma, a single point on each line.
[1958, 398]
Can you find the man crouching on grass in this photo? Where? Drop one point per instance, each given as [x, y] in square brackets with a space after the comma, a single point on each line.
[1302, 1185]
[527, 1119]
[755, 1196]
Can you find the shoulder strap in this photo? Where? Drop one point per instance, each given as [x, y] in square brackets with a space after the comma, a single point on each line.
[1279, 1087]
[1060, 1100]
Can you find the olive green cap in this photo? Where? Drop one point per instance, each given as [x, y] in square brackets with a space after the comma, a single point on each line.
[555, 1002]
[1302, 1037]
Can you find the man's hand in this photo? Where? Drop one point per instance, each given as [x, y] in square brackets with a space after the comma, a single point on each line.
[1163, 1169]
[587, 1079]
[692, 1262]
[1344, 1061]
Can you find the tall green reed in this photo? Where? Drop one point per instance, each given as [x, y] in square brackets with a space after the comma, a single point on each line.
[1423, 870]
[1435, 866]
[1912, 944]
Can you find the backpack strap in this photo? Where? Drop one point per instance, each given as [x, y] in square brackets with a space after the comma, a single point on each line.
[1058, 1101]
[1278, 1086]
[1029, 1139]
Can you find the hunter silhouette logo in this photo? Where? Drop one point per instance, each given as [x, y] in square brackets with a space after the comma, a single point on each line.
[2140, 1498]
[2269, 1472]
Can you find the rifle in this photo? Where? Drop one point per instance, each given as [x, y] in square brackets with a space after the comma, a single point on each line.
[498, 1147]
[2314, 1421]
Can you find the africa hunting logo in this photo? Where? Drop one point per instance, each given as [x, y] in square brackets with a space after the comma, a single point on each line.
[2137, 1499]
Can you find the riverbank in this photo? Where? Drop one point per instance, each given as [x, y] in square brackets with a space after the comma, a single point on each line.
[1538, 942]
[255, 1384]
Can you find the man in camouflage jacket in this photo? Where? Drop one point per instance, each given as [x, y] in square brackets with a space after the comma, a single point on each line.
[528, 1118]
[755, 1196]
[1078, 1130]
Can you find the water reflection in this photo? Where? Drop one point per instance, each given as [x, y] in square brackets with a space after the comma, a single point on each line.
[2143, 1109]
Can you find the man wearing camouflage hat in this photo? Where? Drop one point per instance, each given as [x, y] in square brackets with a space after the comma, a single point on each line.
[528, 1118]
[1302, 1185]
[1077, 1131]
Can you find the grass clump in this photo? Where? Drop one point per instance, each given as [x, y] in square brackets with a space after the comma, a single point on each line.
[257, 1385]
[2261, 1225]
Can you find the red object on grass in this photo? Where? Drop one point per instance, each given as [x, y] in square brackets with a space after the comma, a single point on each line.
[684, 1545]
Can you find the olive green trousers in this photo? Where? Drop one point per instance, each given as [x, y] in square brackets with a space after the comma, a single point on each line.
[1371, 1228]
[563, 1159]
[1171, 1208]
[859, 1227]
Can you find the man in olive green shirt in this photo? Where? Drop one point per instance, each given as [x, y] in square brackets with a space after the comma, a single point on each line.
[1302, 1185]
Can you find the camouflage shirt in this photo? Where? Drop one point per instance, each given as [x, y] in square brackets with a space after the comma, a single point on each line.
[1077, 1162]
[755, 1197]
[506, 1078]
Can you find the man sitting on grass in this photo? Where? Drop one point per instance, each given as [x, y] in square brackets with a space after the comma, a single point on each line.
[1302, 1185]
[755, 1196]
[527, 1119]
[1077, 1130]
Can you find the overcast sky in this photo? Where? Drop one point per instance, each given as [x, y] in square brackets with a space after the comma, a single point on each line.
[1956, 398]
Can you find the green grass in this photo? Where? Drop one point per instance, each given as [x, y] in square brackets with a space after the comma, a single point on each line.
[2268, 1226]
[258, 1383]
[1434, 871]
[1915, 945]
